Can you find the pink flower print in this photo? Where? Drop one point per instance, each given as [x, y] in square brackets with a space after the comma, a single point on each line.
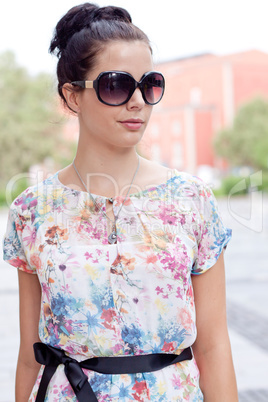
[142, 393]
[116, 348]
[204, 249]
[167, 215]
[176, 382]
[169, 261]
[33, 214]
[170, 237]
[190, 295]
[70, 262]
[159, 290]
[186, 396]
[169, 346]
[18, 201]
[184, 317]
[35, 261]
[151, 259]
[182, 219]
[27, 202]
[20, 227]
[18, 263]
[66, 289]
[178, 293]
[108, 317]
[33, 202]
[202, 193]
[181, 273]
[30, 239]
[87, 255]
[45, 289]
[119, 200]
[188, 381]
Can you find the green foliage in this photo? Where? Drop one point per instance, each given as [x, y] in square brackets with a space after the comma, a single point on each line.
[265, 181]
[246, 143]
[30, 120]
[228, 185]
[17, 189]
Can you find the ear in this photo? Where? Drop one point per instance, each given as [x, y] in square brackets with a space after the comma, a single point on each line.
[71, 96]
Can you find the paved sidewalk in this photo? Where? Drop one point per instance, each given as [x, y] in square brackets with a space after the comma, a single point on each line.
[246, 260]
[247, 300]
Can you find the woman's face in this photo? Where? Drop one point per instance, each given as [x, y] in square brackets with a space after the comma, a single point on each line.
[111, 125]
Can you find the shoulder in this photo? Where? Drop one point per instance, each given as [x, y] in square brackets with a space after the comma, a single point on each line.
[34, 196]
[155, 174]
[188, 184]
[152, 174]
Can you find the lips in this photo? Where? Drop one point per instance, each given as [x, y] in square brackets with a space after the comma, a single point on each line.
[132, 124]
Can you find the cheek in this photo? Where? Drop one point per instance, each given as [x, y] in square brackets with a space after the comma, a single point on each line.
[98, 120]
[148, 112]
[91, 108]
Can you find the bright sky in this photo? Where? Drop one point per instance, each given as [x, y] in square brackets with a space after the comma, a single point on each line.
[176, 28]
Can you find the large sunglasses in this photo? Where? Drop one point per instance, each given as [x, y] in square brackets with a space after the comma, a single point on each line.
[115, 88]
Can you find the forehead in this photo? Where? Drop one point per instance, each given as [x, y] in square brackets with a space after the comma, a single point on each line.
[133, 57]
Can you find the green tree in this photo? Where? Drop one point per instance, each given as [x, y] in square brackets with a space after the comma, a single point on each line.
[246, 142]
[30, 119]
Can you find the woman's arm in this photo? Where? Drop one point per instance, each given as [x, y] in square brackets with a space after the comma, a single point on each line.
[212, 348]
[30, 302]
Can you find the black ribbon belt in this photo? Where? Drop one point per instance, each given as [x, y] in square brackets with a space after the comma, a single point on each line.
[51, 357]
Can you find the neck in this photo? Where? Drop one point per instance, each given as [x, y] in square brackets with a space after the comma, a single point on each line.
[108, 172]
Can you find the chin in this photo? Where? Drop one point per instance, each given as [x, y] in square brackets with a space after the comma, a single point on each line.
[130, 139]
[132, 142]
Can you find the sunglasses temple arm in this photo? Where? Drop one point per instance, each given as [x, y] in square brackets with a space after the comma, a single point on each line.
[79, 83]
[83, 84]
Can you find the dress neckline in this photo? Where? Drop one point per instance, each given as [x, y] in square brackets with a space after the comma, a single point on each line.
[136, 194]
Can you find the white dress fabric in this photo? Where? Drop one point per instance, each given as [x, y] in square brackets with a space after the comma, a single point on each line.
[131, 298]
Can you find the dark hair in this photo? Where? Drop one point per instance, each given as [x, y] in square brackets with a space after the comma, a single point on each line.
[81, 34]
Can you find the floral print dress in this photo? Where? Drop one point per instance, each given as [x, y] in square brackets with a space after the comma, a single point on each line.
[131, 298]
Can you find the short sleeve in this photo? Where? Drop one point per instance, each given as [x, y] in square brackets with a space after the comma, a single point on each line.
[13, 250]
[214, 236]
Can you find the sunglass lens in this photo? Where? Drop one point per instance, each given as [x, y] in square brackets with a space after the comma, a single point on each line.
[153, 88]
[114, 88]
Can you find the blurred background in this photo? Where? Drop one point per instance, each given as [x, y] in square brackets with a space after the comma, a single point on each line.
[212, 122]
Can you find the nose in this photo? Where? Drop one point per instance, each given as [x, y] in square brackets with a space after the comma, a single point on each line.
[136, 100]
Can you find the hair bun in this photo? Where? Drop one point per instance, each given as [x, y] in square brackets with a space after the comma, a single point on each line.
[73, 21]
[80, 17]
[112, 13]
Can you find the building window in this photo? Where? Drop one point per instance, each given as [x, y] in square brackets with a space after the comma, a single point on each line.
[177, 160]
[155, 131]
[156, 152]
[176, 128]
[195, 96]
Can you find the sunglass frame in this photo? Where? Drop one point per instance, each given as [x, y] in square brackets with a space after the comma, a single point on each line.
[136, 84]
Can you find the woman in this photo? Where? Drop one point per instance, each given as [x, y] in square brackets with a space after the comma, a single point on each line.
[117, 243]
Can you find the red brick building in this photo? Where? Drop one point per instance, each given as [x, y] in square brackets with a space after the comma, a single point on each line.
[202, 96]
